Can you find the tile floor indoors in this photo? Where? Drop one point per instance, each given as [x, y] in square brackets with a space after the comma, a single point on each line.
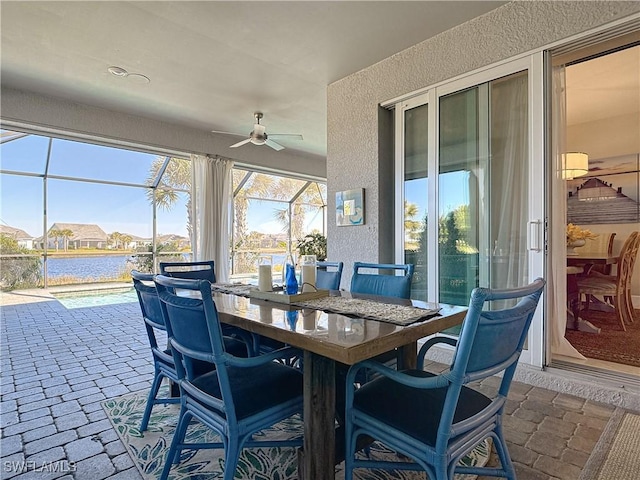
[58, 365]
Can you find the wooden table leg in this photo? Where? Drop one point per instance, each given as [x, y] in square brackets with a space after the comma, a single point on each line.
[407, 356]
[317, 458]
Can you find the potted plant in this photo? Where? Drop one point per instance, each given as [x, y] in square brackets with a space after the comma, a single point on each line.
[313, 244]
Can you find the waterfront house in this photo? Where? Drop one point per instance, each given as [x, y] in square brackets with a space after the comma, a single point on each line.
[137, 242]
[23, 238]
[83, 235]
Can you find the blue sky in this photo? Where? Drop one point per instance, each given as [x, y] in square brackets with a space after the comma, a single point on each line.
[113, 208]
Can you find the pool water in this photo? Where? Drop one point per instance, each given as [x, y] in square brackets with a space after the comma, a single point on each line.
[96, 298]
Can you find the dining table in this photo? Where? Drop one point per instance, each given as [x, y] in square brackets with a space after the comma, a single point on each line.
[579, 263]
[328, 340]
[591, 258]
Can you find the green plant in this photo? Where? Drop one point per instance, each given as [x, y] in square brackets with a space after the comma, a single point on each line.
[143, 260]
[17, 269]
[313, 244]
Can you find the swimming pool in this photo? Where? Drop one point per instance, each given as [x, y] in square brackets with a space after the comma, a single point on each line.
[96, 298]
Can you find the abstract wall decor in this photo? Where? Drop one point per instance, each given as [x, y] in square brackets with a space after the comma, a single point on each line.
[350, 207]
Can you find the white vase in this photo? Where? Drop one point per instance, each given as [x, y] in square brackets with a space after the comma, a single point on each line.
[576, 243]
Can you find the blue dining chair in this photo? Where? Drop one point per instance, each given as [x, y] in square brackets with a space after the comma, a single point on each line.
[326, 277]
[385, 285]
[203, 270]
[163, 364]
[241, 396]
[380, 284]
[437, 419]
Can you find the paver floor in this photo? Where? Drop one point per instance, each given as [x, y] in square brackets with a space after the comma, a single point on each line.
[57, 365]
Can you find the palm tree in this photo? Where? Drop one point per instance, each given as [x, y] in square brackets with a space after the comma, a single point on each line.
[66, 234]
[412, 226]
[177, 175]
[55, 234]
[126, 240]
[258, 185]
[115, 239]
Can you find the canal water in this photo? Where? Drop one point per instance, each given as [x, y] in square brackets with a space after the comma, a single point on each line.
[103, 267]
[91, 267]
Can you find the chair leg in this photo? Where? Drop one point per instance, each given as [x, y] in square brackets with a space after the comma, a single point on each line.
[575, 310]
[173, 455]
[621, 306]
[231, 454]
[587, 301]
[503, 453]
[349, 452]
[153, 392]
[630, 306]
[441, 470]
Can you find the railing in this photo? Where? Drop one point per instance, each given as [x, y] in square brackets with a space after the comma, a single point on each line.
[37, 270]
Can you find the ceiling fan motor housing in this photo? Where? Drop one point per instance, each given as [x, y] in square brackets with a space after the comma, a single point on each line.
[259, 134]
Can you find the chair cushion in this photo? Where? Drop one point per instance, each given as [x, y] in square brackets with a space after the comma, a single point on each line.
[255, 389]
[596, 285]
[415, 412]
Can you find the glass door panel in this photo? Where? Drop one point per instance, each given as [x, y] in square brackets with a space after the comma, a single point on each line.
[461, 170]
[482, 188]
[416, 196]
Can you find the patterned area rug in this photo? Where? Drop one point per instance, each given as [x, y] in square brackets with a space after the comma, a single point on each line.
[612, 343]
[148, 450]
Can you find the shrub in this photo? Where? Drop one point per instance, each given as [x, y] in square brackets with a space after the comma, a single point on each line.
[18, 272]
[313, 244]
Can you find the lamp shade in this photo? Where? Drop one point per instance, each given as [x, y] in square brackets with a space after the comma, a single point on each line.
[574, 164]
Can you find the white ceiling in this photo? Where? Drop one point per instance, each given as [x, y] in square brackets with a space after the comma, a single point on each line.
[212, 64]
[604, 87]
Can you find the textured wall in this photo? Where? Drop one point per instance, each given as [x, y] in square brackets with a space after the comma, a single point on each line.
[354, 156]
[49, 112]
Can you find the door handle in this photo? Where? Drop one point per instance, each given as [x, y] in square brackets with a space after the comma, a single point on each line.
[535, 243]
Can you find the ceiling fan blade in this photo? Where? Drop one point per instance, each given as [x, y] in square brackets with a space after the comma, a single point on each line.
[274, 145]
[239, 144]
[287, 136]
[229, 133]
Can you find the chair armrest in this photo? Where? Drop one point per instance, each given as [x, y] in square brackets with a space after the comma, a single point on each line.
[286, 352]
[430, 343]
[437, 381]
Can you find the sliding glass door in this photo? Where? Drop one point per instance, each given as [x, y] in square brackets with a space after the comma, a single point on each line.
[469, 185]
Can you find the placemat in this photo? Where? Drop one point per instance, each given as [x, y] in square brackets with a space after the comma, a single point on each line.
[362, 308]
[240, 289]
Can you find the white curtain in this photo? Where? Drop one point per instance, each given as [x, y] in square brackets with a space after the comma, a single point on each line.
[211, 206]
[509, 182]
[557, 278]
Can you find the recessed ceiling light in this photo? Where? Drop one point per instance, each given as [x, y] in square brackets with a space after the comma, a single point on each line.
[118, 71]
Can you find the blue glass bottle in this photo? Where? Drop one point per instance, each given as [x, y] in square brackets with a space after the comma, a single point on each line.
[291, 282]
[292, 319]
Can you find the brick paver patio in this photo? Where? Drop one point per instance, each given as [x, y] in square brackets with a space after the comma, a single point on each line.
[59, 364]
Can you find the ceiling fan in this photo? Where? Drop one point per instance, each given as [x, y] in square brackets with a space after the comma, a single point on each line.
[258, 135]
